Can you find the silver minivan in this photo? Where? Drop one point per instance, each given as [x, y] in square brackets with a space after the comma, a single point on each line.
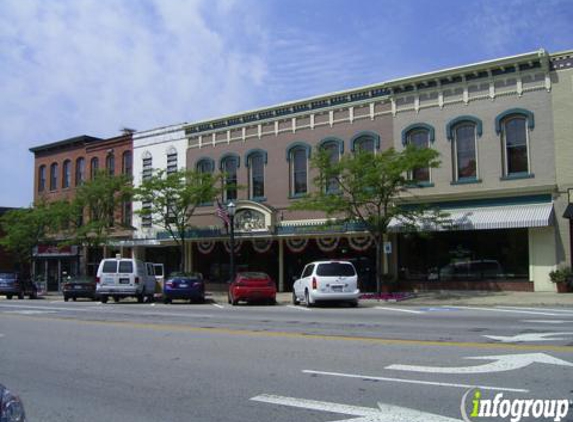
[125, 277]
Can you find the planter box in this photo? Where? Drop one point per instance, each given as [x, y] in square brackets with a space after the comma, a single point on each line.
[562, 287]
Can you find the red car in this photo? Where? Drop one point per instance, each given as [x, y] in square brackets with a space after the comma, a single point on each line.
[252, 287]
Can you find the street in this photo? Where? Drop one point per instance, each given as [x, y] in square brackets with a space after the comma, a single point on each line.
[85, 361]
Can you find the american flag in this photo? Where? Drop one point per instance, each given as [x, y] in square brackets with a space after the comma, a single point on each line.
[222, 214]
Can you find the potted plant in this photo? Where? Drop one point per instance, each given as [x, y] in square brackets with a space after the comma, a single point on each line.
[563, 278]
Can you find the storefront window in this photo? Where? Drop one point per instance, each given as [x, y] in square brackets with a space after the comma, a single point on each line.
[465, 256]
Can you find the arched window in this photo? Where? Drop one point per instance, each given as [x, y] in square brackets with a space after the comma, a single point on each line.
[365, 141]
[229, 166]
[419, 136]
[464, 152]
[298, 155]
[53, 176]
[66, 174]
[127, 163]
[256, 161]
[42, 178]
[94, 166]
[80, 171]
[110, 164]
[205, 165]
[514, 127]
[171, 160]
[334, 148]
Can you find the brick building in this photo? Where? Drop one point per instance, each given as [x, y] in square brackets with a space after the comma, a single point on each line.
[59, 168]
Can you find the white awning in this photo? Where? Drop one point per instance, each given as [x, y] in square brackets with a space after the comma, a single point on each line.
[490, 218]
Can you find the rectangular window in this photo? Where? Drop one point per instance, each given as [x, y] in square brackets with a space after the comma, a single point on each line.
[41, 178]
[109, 267]
[257, 168]
[464, 153]
[420, 139]
[171, 163]
[516, 157]
[299, 172]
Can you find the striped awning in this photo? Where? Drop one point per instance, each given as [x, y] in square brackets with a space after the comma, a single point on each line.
[489, 218]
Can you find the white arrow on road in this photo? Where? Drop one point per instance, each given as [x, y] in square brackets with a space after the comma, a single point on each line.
[502, 363]
[530, 337]
[384, 412]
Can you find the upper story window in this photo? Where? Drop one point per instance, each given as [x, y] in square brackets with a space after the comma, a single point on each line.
[94, 166]
[41, 178]
[514, 127]
[171, 161]
[66, 174]
[419, 135]
[80, 171]
[229, 166]
[53, 176]
[147, 165]
[334, 149]
[365, 141]
[256, 161]
[127, 163]
[205, 165]
[110, 164]
[463, 132]
[298, 155]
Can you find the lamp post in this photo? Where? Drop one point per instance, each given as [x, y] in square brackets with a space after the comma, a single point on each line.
[231, 208]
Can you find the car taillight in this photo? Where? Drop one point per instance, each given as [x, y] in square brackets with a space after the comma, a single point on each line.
[314, 283]
[97, 280]
[169, 284]
[136, 280]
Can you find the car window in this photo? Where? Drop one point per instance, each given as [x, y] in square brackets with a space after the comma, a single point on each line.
[254, 276]
[158, 269]
[125, 266]
[335, 269]
[109, 267]
[307, 271]
[8, 276]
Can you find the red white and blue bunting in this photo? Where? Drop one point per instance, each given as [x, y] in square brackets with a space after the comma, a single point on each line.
[296, 245]
[327, 244]
[206, 246]
[262, 245]
[238, 244]
[360, 243]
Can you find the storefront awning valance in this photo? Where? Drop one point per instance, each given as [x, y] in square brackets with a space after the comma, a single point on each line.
[489, 218]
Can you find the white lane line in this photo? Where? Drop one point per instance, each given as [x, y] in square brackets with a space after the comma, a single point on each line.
[545, 321]
[56, 301]
[49, 308]
[300, 308]
[28, 312]
[511, 311]
[521, 308]
[411, 381]
[216, 305]
[409, 311]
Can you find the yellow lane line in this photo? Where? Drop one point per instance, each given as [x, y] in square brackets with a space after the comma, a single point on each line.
[286, 334]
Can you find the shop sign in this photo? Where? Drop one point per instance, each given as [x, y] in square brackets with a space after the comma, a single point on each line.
[51, 250]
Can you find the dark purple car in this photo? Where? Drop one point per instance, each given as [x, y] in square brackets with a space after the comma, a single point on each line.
[189, 287]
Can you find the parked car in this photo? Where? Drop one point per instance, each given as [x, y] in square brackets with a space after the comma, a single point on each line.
[11, 407]
[12, 284]
[124, 277]
[79, 287]
[252, 287]
[327, 281]
[184, 286]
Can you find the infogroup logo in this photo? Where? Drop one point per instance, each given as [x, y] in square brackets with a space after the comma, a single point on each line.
[514, 410]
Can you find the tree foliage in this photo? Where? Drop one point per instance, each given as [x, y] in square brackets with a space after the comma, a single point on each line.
[367, 188]
[170, 199]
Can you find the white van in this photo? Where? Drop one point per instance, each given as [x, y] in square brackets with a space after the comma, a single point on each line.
[124, 277]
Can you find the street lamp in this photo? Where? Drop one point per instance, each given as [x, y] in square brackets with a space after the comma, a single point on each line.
[231, 209]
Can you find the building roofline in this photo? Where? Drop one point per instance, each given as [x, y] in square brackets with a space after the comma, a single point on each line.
[77, 140]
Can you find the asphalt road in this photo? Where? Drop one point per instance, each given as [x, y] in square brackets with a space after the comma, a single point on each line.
[84, 361]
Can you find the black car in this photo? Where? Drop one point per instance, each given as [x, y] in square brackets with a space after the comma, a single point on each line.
[79, 287]
[12, 284]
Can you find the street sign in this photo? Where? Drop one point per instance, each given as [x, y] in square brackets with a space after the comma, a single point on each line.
[384, 412]
[387, 248]
[502, 363]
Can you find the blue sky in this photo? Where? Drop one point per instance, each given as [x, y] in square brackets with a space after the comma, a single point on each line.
[72, 67]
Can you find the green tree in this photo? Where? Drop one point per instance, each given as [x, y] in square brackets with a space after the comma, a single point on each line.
[24, 229]
[368, 189]
[170, 199]
[90, 218]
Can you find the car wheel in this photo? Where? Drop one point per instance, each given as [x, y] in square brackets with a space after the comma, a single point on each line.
[20, 296]
[234, 301]
[74, 298]
[307, 299]
[272, 302]
[33, 296]
[166, 300]
[103, 299]
[116, 299]
[228, 299]
[354, 304]
[9, 297]
[66, 298]
[295, 300]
